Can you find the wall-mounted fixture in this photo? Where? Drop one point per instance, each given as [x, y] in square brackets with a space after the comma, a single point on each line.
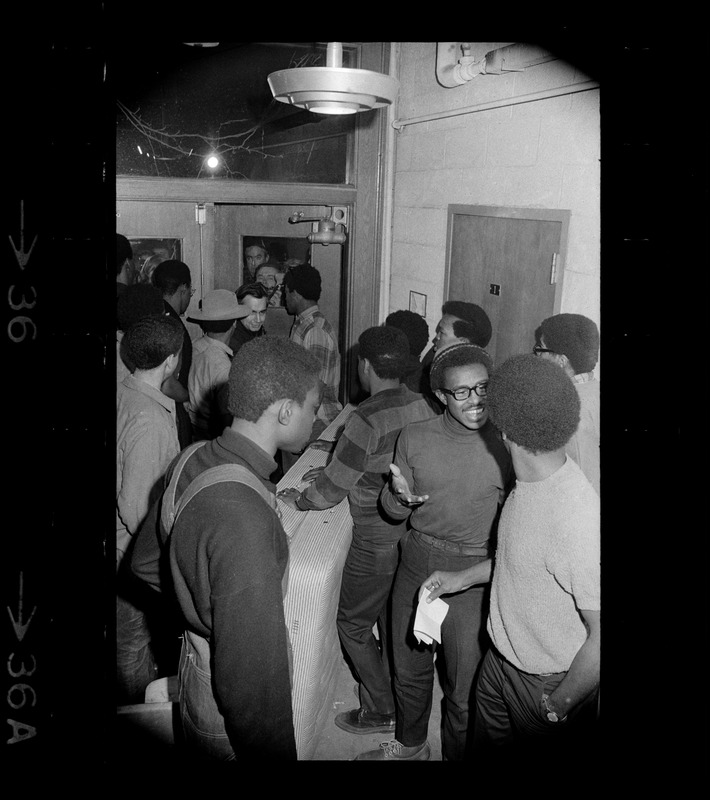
[325, 230]
[333, 89]
[455, 65]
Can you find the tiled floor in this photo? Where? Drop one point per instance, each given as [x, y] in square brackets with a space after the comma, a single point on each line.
[338, 745]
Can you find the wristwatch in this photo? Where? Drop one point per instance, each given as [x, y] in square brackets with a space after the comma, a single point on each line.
[552, 716]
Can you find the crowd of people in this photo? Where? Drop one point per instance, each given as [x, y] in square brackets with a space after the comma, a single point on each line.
[468, 482]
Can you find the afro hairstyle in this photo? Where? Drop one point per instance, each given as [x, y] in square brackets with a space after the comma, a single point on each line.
[470, 312]
[534, 403]
[414, 326]
[387, 349]
[267, 369]
[458, 355]
[139, 300]
[574, 336]
[150, 340]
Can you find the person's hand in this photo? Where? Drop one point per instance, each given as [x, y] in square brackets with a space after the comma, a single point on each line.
[312, 474]
[401, 489]
[289, 497]
[439, 583]
[323, 444]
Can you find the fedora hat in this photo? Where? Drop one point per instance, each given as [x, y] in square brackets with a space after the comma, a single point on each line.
[219, 305]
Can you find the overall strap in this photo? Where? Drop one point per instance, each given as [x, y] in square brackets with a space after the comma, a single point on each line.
[220, 474]
[167, 513]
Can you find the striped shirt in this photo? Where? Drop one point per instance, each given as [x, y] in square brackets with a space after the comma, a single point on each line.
[313, 331]
[361, 461]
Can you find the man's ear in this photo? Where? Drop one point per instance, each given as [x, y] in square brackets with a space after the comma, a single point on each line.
[285, 412]
[440, 396]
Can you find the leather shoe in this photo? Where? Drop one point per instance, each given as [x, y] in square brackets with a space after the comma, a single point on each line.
[358, 720]
[396, 751]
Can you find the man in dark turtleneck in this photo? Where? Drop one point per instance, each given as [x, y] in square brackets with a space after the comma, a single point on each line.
[459, 471]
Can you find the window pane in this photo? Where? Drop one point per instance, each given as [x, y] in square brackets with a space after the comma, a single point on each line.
[176, 105]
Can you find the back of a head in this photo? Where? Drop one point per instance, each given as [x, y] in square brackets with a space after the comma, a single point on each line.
[123, 251]
[139, 300]
[414, 326]
[534, 403]
[305, 280]
[170, 276]
[387, 349]
[267, 369]
[150, 340]
[574, 336]
[457, 355]
[473, 314]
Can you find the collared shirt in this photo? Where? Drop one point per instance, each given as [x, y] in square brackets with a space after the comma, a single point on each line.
[146, 443]
[313, 331]
[583, 377]
[583, 447]
[209, 373]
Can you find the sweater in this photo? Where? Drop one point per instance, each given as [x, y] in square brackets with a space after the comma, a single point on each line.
[361, 460]
[546, 568]
[228, 554]
[465, 472]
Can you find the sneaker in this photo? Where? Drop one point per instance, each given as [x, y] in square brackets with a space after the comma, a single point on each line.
[396, 751]
[358, 720]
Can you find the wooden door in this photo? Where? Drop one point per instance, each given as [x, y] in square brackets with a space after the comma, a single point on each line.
[510, 262]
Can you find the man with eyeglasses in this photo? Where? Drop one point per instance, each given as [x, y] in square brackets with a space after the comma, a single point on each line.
[459, 471]
[572, 342]
[174, 281]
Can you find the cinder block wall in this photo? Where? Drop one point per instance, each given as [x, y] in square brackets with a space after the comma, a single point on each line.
[541, 154]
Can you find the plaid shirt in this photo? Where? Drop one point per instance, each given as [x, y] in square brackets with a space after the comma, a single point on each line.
[362, 457]
[312, 330]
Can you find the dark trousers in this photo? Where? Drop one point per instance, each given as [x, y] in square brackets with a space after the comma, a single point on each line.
[509, 719]
[368, 575]
[135, 663]
[461, 647]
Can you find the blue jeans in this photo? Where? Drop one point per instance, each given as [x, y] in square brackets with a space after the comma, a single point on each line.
[509, 710]
[365, 590]
[461, 646]
[135, 664]
[202, 723]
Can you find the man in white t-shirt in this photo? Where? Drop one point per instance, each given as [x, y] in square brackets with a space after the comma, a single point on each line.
[537, 689]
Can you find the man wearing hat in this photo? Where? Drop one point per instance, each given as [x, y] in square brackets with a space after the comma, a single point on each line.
[302, 287]
[211, 359]
[572, 342]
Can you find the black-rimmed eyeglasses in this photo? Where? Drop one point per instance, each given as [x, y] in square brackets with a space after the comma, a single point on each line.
[464, 392]
[540, 349]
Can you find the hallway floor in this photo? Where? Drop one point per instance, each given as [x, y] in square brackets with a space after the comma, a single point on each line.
[338, 745]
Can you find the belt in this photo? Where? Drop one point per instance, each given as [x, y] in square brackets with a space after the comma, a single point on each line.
[452, 547]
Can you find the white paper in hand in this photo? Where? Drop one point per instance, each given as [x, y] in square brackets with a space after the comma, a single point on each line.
[427, 622]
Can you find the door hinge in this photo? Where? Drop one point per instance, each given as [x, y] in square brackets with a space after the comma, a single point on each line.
[553, 269]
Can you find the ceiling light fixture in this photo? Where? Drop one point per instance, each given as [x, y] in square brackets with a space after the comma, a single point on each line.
[333, 89]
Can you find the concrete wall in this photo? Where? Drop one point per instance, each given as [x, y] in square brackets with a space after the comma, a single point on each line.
[541, 154]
